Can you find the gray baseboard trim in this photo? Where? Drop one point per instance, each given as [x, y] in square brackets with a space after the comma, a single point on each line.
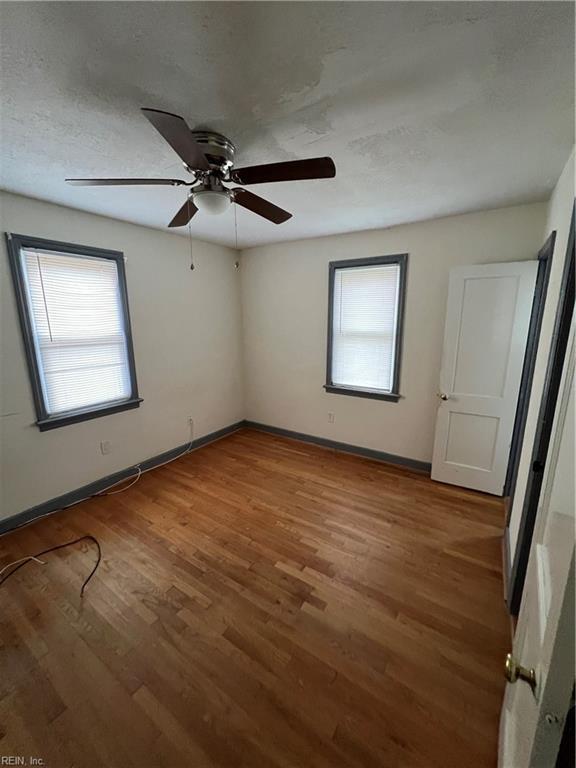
[86, 491]
[389, 458]
[73, 497]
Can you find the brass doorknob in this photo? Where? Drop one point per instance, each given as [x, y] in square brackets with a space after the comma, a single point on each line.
[442, 395]
[515, 671]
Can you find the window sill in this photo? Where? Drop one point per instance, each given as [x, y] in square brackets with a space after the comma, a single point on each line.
[369, 393]
[62, 420]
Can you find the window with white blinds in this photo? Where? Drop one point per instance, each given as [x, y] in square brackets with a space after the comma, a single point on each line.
[75, 327]
[365, 320]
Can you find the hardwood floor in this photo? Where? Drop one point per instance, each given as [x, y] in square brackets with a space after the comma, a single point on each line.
[261, 602]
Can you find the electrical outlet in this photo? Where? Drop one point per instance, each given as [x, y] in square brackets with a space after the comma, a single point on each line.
[330, 417]
[105, 447]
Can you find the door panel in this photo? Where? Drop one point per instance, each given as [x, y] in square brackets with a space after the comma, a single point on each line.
[532, 722]
[471, 440]
[487, 319]
[487, 316]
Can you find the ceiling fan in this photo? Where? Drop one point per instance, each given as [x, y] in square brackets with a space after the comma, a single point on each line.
[209, 157]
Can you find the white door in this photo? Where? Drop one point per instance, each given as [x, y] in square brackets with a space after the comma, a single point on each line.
[487, 320]
[532, 721]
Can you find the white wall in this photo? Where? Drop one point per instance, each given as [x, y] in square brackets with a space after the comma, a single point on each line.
[187, 343]
[559, 213]
[284, 300]
[193, 360]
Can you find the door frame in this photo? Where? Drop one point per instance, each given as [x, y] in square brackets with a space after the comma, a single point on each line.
[542, 279]
[516, 574]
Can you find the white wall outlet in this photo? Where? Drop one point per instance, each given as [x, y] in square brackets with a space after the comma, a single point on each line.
[330, 417]
[105, 447]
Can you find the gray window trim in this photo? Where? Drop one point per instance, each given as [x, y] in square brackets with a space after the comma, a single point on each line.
[44, 421]
[547, 408]
[402, 260]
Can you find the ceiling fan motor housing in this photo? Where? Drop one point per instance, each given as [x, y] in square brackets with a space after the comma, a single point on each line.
[218, 149]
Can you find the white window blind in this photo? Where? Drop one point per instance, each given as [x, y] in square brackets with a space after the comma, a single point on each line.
[77, 321]
[364, 326]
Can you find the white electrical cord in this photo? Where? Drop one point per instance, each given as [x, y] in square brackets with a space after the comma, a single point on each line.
[140, 471]
[104, 492]
[22, 560]
[121, 490]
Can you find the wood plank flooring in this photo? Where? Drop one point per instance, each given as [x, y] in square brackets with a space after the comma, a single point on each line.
[261, 603]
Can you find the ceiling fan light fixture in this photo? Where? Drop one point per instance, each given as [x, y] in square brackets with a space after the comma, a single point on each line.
[210, 201]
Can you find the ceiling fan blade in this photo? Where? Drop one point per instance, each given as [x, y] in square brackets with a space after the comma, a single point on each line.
[293, 170]
[124, 182]
[184, 215]
[173, 128]
[260, 206]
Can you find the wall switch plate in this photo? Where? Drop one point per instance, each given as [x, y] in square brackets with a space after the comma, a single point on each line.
[330, 417]
[105, 447]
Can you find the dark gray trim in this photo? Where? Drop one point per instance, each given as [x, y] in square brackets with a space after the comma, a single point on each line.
[370, 393]
[44, 421]
[87, 491]
[389, 458]
[402, 260]
[544, 268]
[557, 354]
[84, 415]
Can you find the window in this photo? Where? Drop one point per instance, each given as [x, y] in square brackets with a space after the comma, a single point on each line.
[366, 298]
[73, 309]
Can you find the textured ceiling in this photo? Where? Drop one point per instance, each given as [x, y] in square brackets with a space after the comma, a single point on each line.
[428, 109]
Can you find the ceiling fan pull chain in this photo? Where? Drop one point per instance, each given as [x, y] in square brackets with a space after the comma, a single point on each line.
[190, 237]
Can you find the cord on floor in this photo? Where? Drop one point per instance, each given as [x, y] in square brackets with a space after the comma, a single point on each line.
[106, 491]
[24, 560]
